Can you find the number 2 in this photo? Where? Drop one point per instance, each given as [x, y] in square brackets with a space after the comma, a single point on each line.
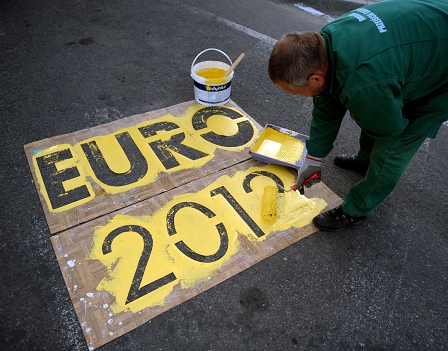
[136, 291]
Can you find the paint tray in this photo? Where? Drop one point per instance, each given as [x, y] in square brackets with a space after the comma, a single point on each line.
[280, 146]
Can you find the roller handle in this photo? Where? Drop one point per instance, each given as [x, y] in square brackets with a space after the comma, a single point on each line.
[301, 190]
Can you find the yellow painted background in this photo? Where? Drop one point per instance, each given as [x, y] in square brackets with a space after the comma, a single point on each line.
[198, 232]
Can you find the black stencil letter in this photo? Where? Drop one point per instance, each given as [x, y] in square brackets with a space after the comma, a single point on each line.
[137, 170]
[223, 236]
[53, 179]
[243, 136]
[164, 149]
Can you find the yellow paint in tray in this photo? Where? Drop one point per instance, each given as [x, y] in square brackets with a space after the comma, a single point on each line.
[279, 146]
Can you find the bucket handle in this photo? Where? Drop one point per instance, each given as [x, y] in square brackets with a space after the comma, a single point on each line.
[222, 52]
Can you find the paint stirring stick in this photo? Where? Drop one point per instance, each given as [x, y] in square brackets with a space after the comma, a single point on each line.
[231, 68]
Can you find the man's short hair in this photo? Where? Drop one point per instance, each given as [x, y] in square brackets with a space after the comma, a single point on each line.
[296, 57]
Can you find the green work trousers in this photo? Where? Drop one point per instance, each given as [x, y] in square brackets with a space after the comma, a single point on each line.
[385, 160]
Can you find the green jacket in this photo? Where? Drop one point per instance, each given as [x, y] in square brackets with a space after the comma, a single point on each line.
[388, 65]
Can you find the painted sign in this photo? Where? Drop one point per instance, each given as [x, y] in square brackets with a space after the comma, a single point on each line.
[156, 254]
[193, 235]
[92, 172]
[134, 156]
[162, 206]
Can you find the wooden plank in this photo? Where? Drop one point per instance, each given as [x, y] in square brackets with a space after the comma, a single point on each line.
[82, 252]
[87, 197]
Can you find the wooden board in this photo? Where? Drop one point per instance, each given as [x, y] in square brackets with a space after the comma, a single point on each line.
[231, 197]
[153, 209]
[57, 161]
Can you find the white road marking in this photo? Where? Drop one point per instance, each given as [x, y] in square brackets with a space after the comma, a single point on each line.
[254, 34]
[314, 12]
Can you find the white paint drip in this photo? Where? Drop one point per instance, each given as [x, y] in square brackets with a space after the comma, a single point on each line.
[103, 115]
[425, 148]
[110, 321]
[399, 283]
[105, 305]
[89, 294]
[314, 12]
[69, 323]
[88, 330]
[71, 263]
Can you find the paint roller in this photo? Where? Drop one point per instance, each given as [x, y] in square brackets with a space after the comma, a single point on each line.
[269, 202]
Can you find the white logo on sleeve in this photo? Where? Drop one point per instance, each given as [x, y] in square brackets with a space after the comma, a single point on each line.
[374, 18]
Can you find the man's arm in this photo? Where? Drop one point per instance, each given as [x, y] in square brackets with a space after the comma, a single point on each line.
[327, 118]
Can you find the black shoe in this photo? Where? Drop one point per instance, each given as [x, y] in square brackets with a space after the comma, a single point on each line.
[335, 220]
[349, 163]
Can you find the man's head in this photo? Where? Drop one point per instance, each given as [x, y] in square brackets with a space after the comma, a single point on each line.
[299, 63]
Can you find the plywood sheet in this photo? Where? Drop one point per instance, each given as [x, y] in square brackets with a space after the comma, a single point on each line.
[89, 173]
[200, 234]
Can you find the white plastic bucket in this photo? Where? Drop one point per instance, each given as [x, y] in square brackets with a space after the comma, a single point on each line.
[206, 93]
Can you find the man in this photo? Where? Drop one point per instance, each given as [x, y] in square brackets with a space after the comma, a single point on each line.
[387, 63]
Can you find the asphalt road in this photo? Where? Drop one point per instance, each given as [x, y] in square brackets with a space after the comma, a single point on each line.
[70, 65]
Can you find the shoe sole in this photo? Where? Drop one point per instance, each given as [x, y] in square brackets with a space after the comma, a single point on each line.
[338, 230]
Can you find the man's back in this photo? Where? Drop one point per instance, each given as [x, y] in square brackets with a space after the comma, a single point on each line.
[385, 55]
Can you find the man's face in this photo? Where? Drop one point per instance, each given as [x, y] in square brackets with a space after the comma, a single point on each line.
[313, 88]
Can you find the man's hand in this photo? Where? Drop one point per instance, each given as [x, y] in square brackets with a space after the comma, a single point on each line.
[309, 173]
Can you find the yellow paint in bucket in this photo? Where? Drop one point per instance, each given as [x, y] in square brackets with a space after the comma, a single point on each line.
[210, 87]
[212, 73]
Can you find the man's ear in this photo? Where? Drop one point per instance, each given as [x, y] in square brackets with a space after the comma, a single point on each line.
[316, 80]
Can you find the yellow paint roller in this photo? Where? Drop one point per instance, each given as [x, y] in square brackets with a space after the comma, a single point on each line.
[269, 202]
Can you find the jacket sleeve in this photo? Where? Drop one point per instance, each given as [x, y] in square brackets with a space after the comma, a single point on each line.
[327, 117]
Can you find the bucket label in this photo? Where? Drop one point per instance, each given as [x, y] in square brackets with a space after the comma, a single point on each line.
[212, 95]
[212, 88]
